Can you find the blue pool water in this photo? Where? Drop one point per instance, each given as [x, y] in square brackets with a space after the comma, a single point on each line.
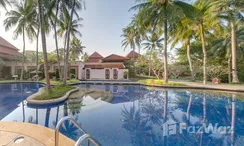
[136, 116]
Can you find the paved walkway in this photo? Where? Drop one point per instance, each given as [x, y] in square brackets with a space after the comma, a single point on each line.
[209, 85]
[34, 135]
[195, 85]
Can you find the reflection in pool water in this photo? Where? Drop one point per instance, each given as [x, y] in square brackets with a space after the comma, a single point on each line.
[135, 116]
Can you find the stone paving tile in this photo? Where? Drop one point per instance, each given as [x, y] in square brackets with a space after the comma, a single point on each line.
[28, 141]
[43, 135]
[7, 137]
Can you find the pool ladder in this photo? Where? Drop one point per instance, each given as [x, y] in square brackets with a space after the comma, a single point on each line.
[80, 140]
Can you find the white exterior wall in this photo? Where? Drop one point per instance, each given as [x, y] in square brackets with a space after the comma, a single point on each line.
[97, 74]
[121, 73]
[100, 73]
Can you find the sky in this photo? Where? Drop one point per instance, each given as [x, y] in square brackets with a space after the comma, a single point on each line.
[102, 28]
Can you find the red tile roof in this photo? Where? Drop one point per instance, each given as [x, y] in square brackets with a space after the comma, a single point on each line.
[95, 57]
[133, 54]
[102, 66]
[5, 43]
[114, 58]
[7, 50]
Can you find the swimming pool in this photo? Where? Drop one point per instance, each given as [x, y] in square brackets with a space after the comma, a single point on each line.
[136, 116]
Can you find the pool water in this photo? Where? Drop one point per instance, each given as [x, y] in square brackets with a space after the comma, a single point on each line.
[136, 116]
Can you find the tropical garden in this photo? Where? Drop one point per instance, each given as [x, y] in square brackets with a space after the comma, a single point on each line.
[31, 19]
[198, 39]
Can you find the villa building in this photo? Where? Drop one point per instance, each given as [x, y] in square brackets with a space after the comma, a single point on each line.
[110, 67]
[97, 67]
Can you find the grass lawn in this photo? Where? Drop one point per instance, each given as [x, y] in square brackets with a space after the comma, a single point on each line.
[55, 82]
[57, 91]
[160, 82]
[139, 78]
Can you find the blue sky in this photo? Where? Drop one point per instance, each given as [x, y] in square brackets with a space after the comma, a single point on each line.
[103, 24]
[102, 27]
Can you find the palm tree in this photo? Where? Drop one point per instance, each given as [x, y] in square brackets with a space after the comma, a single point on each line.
[132, 37]
[44, 45]
[204, 21]
[22, 19]
[230, 11]
[162, 13]
[84, 58]
[4, 4]
[152, 43]
[76, 49]
[62, 4]
[66, 48]
[183, 33]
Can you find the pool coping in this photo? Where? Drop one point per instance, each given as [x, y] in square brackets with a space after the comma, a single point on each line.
[31, 99]
[199, 87]
[45, 136]
[137, 83]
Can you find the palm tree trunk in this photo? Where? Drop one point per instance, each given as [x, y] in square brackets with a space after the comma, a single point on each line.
[233, 116]
[23, 56]
[56, 40]
[189, 60]
[44, 47]
[204, 55]
[67, 44]
[37, 42]
[229, 66]
[188, 109]
[233, 46]
[165, 46]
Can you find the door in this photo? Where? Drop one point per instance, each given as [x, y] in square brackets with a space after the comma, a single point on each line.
[107, 74]
[115, 73]
[88, 74]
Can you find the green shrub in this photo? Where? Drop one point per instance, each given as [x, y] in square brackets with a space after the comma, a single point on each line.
[161, 82]
[57, 92]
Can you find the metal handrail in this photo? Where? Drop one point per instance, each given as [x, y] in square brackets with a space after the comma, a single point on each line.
[80, 140]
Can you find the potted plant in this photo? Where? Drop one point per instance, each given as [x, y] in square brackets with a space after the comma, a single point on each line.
[126, 75]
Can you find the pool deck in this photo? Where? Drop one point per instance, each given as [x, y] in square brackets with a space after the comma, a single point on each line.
[189, 85]
[34, 135]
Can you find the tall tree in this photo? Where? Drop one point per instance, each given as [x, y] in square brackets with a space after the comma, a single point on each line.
[76, 49]
[44, 45]
[67, 44]
[232, 11]
[22, 19]
[132, 37]
[151, 43]
[204, 22]
[84, 57]
[4, 4]
[183, 33]
[162, 13]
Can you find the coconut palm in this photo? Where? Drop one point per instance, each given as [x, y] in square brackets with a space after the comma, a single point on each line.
[4, 4]
[204, 21]
[76, 49]
[152, 43]
[44, 45]
[132, 37]
[232, 12]
[21, 18]
[62, 6]
[66, 48]
[162, 13]
[84, 57]
[222, 45]
[183, 33]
